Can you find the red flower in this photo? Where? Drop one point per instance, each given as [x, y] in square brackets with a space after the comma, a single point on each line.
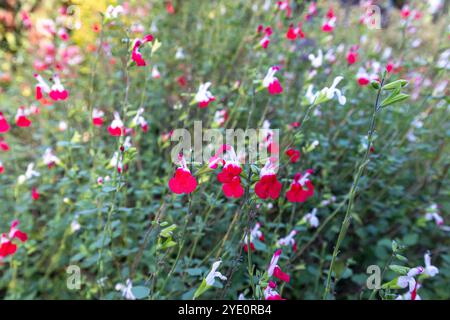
[268, 185]
[352, 57]
[293, 154]
[7, 247]
[35, 194]
[3, 145]
[182, 181]
[229, 176]
[293, 33]
[4, 126]
[296, 193]
[97, 117]
[277, 273]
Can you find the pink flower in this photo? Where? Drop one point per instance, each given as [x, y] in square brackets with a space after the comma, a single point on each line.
[35, 194]
[297, 193]
[268, 186]
[271, 82]
[136, 55]
[182, 181]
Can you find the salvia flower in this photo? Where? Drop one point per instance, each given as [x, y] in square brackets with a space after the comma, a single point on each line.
[2, 168]
[213, 274]
[430, 270]
[289, 240]
[316, 61]
[140, 120]
[29, 173]
[327, 94]
[136, 55]
[271, 82]
[113, 12]
[295, 32]
[7, 247]
[297, 191]
[21, 117]
[270, 293]
[155, 73]
[220, 117]
[293, 154]
[97, 117]
[268, 186]
[409, 280]
[116, 129]
[255, 233]
[203, 96]
[312, 219]
[35, 193]
[4, 126]
[125, 289]
[230, 174]
[433, 214]
[49, 158]
[275, 270]
[182, 181]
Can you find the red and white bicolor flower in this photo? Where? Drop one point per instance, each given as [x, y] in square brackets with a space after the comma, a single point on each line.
[117, 128]
[265, 40]
[220, 117]
[35, 193]
[289, 240]
[21, 117]
[126, 290]
[4, 126]
[297, 191]
[203, 96]
[97, 117]
[311, 218]
[430, 270]
[55, 92]
[140, 120]
[316, 61]
[230, 174]
[270, 293]
[284, 6]
[275, 270]
[182, 181]
[7, 247]
[213, 274]
[255, 233]
[295, 32]
[136, 55]
[2, 168]
[271, 82]
[268, 186]
[413, 295]
[409, 281]
[49, 158]
[329, 22]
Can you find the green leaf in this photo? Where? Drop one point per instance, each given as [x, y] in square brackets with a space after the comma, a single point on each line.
[140, 292]
[394, 99]
[399, 269]
[395, 85]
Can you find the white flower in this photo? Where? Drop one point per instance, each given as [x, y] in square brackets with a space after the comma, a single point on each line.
[408, 280]
[255, 233]
[312, 219]
[179, 54]
[203, 94]
[126, 290]
[433, 214]
[316, 61]
[270, 76]
[214, 274]
[30, 173]
[49, 158]
[429, 269]
[113, 12]
[75, 225]
[288, 240]
[330, 92]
